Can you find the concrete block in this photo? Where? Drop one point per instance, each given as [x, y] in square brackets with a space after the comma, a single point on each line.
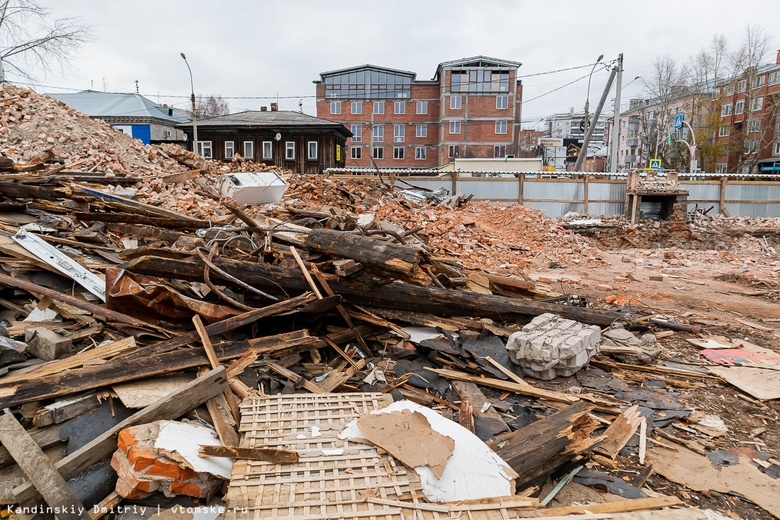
[46, 344]
[551, 346]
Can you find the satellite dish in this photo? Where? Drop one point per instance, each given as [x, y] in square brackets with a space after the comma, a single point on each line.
[278, 136]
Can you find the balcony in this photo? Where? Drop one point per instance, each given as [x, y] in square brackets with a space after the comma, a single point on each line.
[630, 158]
[632, 142]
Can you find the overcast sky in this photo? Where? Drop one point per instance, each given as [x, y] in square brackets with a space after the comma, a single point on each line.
[257, 50]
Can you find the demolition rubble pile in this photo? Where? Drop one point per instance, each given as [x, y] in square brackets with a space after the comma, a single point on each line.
[347, 352]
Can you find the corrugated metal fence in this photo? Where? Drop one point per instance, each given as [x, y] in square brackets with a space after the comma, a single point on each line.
[598, 196]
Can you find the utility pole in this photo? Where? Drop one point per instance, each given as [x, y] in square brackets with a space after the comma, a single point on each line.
[615, 137]
[596, 115]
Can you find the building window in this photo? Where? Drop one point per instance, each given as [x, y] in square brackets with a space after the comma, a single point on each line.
[356, 152]
[725, 110]
[754, 125]
[750, 147]
[739, 106]
[378, 134]
[742, 85]
[454, 127]
[398, 133]
[453, 150]
[379, 153]
[230, 149]
[204, 149]
[379, 107]
[774, 78]
[357, 107]
[249, 149]
[480, 80]
[312, 149]
[422, 107]
[398, 152]
[500, 127]
[335, 107]
[289, 150]
[756, 104]
[455, 102]
[724, 131]
[502, 102]
[268, 147]
[759, 81]
[721, 168]
[776, 150]
[421, 131]
[499, 151]
[357, 132]
[420, 153]
[399, 107]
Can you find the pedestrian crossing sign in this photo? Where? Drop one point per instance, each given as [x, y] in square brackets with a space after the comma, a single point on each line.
[655, 164]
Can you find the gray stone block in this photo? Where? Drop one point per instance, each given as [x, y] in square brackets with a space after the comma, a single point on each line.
[551, 346]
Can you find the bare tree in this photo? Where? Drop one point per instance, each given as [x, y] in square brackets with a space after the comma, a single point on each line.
[212, 106]
[29, 37]
[664, 85]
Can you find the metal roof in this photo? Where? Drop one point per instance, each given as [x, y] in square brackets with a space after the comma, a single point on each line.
[476, 61]
[118, 105]
[367, 66]
[272, 119]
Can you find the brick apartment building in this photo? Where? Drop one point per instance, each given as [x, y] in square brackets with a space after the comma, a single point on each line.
[471, 108]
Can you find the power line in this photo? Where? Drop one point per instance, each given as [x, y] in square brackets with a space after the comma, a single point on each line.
[555, 71]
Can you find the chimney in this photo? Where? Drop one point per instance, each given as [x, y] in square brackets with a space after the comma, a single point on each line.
[274, 107]
[777, 60]
[263, 109]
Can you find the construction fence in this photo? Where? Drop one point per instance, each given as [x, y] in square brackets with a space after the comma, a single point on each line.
[593, 194]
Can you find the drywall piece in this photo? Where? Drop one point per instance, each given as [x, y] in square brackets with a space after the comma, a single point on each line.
[140, 394]
[419, 334]
[761, 383]
[253, 187]
[696, 472]
[473, 471]
[408, 437]
[185, 440]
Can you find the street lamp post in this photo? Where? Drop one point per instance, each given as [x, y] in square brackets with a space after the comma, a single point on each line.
[194, 116]
[587, 98]
[586, 121]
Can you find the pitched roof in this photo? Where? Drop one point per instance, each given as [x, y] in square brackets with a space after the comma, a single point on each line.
[118, 105]
[476, 61]
[272, 119]
[368, 66]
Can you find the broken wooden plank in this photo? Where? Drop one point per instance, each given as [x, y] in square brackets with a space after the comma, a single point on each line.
[61, 411]
[487, 421]
[618, 506]
[42, 474]
[620, 432]
[237, 452]
[169, 407]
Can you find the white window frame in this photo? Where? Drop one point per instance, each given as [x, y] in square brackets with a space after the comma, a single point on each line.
[502, 102]
[379, 107]
[754, 125]
[421, 131]
[357, 132]
[356, 152]
[756, 104]
[453, 150]
[268, 150]
[289, 150]
[456, 101]
[205, 150]
[398, 152]
[724, 131]
[721, 168]
[378, 134]
[774, 77]
[742, 85]
[739, 107]
[399, 107]
[311, 150]
[726, 110]
[420, 153]
[501, 127]
[776, 148]
[759, 81]
[499, 150]
[249, 149]
[378, 152]
[455, 127]
[357, 107]
[335, 107]
[399, 133]
[422, 107]
[750, 147]
[230, 149]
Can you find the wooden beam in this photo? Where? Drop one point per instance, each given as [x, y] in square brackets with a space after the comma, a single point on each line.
[237, 452]
[171, 406]
[39, 469]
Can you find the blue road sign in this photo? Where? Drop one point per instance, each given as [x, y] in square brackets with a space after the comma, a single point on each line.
[678, 121]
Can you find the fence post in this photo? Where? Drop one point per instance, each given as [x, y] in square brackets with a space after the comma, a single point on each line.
[520, 188]
[722, 196]
[585, 195]
[454, 189]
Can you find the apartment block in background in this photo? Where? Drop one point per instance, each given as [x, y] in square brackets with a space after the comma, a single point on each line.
[470, 109]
